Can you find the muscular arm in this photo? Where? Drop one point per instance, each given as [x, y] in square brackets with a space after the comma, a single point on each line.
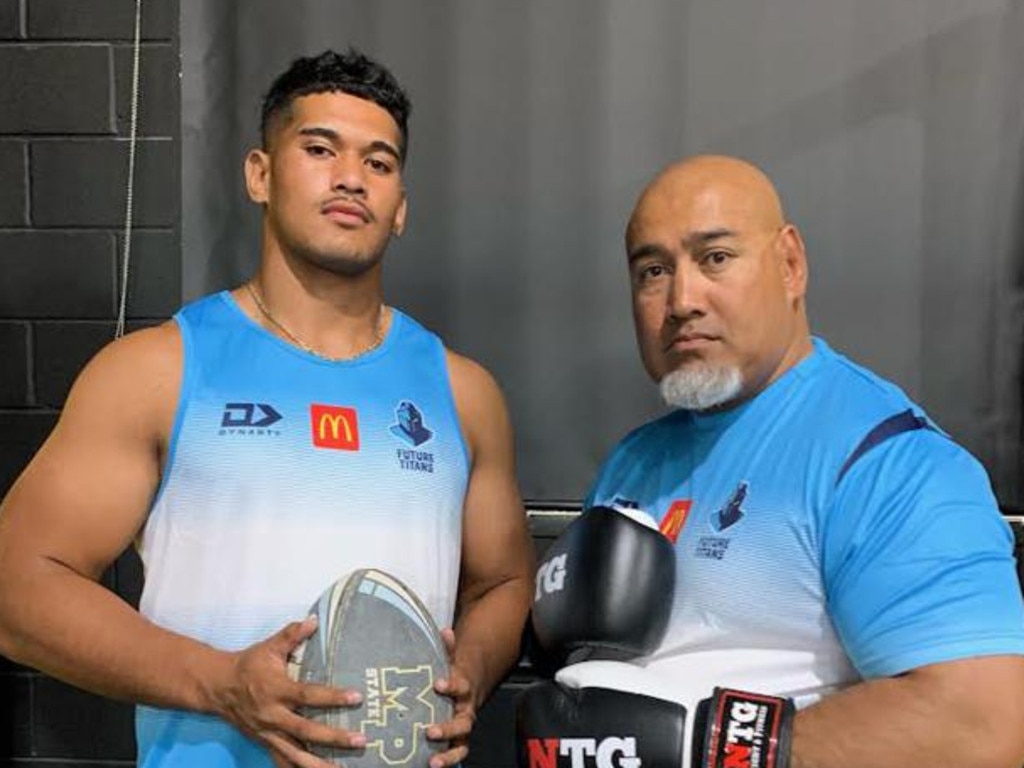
[920, 576]
[961, 714]
[497, 554]
[76, 507]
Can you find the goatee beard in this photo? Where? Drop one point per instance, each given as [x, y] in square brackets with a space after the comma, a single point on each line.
[700, 387]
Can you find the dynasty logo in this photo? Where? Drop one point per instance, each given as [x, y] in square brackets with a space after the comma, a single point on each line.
[249, 419]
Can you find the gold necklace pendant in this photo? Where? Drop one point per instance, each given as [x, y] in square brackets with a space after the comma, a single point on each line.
[378, 331]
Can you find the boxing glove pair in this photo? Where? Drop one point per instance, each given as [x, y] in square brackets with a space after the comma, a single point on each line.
[603, 597]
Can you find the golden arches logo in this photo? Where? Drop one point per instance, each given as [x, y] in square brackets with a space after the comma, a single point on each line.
[329, 422]
[334, 426]
[674, 520]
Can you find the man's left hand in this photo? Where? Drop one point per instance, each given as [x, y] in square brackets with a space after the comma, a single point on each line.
[459, 689]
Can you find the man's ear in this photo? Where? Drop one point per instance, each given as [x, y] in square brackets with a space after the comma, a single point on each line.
[398, 226]
[257, 176]
[793, 261]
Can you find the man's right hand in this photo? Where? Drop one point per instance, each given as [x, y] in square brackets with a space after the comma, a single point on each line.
[260, 699]
[613, 713]
[604, 596]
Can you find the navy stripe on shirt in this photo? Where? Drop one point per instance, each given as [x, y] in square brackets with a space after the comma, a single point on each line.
[907, 421]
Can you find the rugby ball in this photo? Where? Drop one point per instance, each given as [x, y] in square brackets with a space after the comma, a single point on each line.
[374, 635]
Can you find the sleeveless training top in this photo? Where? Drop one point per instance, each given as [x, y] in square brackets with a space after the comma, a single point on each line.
[286, 471]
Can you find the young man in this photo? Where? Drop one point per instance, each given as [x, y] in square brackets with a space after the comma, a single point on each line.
[263, 443]
[831, 545]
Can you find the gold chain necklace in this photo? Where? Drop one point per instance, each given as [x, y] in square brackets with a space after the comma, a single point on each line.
[378, 331]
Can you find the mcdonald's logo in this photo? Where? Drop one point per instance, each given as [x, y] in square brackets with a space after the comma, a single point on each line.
[674, 520]
[334, 426]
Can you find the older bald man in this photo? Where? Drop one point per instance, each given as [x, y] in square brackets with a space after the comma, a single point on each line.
[833, 546]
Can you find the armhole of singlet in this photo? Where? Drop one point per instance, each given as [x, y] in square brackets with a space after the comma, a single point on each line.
[453, 406]
[906, 421]
[188, 375]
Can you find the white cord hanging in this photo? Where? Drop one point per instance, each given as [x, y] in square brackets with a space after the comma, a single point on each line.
[132, 140]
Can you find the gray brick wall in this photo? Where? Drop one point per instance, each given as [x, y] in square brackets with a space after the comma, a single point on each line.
[57, 88]
[10, 19]
[65, 100]
[14, 172]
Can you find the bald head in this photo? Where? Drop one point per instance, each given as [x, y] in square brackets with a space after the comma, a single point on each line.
[717, 185]
[718, 279]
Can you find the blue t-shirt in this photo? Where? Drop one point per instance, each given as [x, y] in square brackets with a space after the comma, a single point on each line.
[827, 532]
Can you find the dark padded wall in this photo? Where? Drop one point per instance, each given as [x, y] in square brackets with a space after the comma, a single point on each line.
[894, 130]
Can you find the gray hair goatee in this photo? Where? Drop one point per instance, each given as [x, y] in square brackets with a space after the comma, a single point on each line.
[699, 386]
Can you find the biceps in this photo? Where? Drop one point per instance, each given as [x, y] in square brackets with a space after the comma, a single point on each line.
[496, 544]
[81, 499]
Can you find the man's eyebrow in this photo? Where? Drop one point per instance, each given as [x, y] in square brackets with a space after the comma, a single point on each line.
[690, 242]
[324, 133]
[387, 147]
[333, 136]
[696, 239]
[642, 251]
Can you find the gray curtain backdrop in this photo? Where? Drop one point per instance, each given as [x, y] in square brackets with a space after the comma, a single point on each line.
[894, 131]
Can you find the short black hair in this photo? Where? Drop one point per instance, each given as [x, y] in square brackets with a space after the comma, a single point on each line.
[351, 72]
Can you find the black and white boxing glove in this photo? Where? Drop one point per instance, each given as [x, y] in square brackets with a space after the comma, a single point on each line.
[603, 596]
[604, 589]
[602, 714]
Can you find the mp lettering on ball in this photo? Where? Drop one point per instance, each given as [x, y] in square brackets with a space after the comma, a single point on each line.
[375, 635]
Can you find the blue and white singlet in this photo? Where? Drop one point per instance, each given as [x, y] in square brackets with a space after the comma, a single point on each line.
[286, 471]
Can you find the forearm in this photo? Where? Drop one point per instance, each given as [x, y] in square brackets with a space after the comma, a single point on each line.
[895, 722]
[488, 633]
[56, 620]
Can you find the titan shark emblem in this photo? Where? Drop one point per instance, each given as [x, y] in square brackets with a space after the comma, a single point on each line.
[409, 424]
[732, 512]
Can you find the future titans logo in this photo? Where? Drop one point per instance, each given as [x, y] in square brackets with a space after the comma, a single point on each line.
[408, 425]
[715, 547]
[732, 512]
